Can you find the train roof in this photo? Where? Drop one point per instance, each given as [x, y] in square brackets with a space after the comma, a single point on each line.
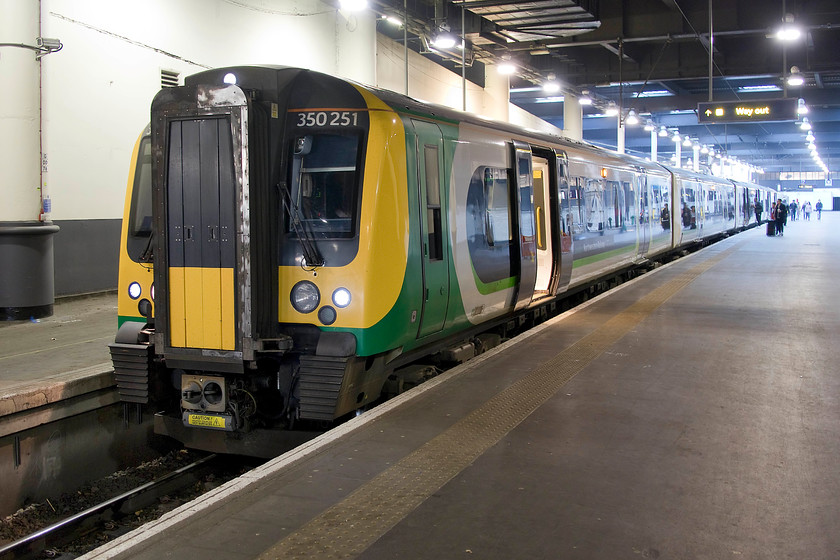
[267, 79]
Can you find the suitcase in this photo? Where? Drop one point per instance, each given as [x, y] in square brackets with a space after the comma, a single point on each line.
[771, 228]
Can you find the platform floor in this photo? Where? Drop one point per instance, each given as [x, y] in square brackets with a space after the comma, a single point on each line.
[693, 413]
[59, 357]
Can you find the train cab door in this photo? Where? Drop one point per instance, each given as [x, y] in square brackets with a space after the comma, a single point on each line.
[432, 197]
[523, 199]
[201, 233]
[564, 222]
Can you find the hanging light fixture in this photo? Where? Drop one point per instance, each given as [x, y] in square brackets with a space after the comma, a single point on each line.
[795, 79]
[631, 119]
[551, 86]
[788, 31]
[801, 108]
[444, 40]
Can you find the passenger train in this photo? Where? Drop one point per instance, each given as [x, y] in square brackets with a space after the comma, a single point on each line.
[295, 243]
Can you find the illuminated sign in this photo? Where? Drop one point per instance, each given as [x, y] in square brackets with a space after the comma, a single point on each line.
[747, 111]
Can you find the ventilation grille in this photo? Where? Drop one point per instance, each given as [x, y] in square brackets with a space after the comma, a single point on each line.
[169, 78]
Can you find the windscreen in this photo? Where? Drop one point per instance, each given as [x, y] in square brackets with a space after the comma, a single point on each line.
[325, 183]
[140, 219]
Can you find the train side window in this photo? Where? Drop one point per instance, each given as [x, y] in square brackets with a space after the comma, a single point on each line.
[140, 218]
[497, 215]
[433, 203]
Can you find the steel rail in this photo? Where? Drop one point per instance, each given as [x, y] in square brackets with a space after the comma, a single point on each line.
[18, 545]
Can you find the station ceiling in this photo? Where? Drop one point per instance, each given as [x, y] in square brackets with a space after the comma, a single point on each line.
[653, 56]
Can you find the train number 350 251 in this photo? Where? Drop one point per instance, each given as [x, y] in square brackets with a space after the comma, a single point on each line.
[328, 118]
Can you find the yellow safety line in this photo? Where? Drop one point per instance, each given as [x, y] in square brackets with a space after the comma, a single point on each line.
[349, 527]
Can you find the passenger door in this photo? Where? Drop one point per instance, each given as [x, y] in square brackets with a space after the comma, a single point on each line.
[565, 223]
[645, 212]
[523, 199]
[433, 231]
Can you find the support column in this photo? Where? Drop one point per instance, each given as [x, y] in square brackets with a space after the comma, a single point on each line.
[654, 145]
[679, 153]
[620, 132]
[572, 117]
[27, 277]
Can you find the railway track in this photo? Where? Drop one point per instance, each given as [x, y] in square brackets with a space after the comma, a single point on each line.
[85, 530]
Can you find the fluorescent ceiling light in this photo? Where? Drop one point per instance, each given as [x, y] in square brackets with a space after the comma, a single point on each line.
[749, 89]
[655, 93]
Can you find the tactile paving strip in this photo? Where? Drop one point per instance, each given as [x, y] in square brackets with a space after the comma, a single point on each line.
[349, 527]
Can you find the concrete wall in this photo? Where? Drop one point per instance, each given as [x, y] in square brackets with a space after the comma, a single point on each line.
[97, 91]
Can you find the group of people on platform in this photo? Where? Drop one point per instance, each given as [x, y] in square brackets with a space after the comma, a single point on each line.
[779, 212]
[796, 209]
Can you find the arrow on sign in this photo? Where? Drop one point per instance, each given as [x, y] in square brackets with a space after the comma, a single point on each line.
[708, 112]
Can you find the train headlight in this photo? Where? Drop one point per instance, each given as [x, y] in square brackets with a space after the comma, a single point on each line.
[341, 297]
[134, 290]
[305, 297]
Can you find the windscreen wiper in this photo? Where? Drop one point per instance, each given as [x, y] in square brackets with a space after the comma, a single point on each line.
[311, 257]
[149, 251]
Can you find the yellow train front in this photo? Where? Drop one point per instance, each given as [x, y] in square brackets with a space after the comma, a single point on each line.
[264, 252]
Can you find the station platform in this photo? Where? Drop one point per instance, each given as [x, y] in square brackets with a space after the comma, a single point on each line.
[59, 365]
[690, 413]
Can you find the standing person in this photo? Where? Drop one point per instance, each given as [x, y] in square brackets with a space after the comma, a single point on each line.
[781, 217]
[792, 210]
[771, 222]
[808, 211]
[819, 209]
[758, 209]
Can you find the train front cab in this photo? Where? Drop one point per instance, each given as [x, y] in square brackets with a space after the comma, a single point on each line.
[236, 254]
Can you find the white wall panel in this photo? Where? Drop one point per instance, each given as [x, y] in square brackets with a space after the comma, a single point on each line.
[435, 84]
[98, 89]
